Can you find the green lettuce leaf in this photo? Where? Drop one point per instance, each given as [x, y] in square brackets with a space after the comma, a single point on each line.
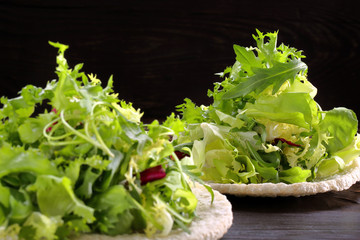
[244, 169]
[294, 175]
[76, 167]
[264, 114]
[56, 197]
[44, 227]
[4, 197]
[329, 166]
[349, 153]
[32, 128]
[113, 211]
[20, 206]
[228, 119]
[341, 124]
[293, 108]
[16, 159]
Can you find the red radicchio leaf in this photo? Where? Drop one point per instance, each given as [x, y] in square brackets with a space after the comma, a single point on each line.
[152, 174]
[287, 142]
[50, 128]
[180, 155]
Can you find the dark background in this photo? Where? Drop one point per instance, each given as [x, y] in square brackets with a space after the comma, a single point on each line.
[160, 52]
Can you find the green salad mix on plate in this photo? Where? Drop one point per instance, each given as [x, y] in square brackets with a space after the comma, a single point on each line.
[75, 159]
[264, 124]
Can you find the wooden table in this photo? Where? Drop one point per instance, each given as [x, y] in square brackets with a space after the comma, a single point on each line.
[332, 215]
[163, 51]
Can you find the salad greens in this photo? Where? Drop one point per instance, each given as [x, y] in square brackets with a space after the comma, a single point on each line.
[264, 124]
[76, 159]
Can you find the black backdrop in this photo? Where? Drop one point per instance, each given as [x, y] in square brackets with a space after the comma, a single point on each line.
[160, 52]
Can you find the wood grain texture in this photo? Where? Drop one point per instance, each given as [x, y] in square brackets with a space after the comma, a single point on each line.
[163, 51]
[333, 215]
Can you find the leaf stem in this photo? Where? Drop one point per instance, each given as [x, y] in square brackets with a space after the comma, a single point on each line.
[85, 137]
[97, 134]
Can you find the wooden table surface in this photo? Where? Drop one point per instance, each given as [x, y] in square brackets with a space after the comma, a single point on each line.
[332, 215]
[163, 51]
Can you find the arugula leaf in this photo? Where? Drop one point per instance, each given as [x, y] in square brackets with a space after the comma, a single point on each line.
[263, 97]
[72, 154]
[265, 77]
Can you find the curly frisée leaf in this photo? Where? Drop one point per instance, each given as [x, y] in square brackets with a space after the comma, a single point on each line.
[270, 68]
[72, 155]
[264, 124]
[265, 77]
[45, 227]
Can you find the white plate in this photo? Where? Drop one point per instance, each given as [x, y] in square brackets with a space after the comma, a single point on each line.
[212, 221]
[339, 182]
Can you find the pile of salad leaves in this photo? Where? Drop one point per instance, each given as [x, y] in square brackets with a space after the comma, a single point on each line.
[75, 159]
[264, 124]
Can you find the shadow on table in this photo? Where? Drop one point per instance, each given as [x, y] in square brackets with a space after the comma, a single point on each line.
[322, 201]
